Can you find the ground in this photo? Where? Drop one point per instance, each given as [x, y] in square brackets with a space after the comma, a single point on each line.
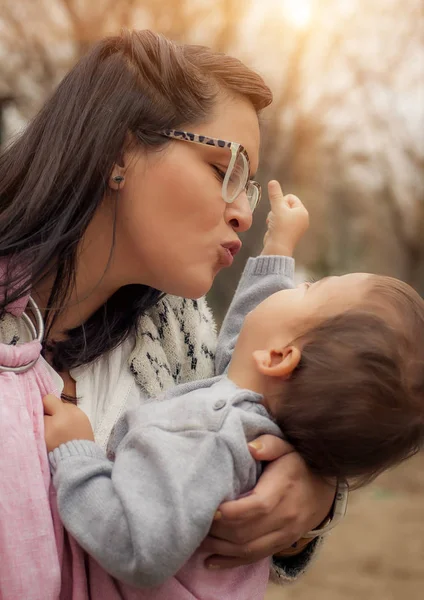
[377, 553]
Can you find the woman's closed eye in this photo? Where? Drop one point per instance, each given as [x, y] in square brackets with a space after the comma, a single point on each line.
[219, 172]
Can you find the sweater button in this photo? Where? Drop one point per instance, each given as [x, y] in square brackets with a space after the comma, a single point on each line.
[219, 404]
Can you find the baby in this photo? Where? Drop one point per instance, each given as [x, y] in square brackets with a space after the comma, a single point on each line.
[335, 367]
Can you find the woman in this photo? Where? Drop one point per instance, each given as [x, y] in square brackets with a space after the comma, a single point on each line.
[108, 201]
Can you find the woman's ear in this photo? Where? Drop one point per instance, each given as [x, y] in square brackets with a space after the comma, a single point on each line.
[277, 362]
[117, 177]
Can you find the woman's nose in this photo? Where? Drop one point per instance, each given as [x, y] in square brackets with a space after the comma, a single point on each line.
[238, 214]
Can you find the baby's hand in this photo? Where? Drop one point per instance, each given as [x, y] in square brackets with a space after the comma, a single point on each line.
[287, 222]
[64, 422]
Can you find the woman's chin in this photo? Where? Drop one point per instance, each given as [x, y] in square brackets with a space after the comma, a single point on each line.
[192, 290]
[195, 293]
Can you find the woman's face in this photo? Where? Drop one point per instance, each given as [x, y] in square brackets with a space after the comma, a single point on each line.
[174, 232]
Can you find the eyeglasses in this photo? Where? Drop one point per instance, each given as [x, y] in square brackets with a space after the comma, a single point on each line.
[236, 178]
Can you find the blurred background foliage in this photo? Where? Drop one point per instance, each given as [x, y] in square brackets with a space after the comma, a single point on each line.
[345, 133]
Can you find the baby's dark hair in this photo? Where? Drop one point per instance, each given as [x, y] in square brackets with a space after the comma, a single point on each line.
[354, 406]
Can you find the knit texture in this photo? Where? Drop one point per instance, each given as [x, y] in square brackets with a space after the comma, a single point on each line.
[175, 343]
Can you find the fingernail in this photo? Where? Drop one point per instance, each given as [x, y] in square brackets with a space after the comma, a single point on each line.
[217, 515]
[275, 184]
[213, 567]
[256, 445]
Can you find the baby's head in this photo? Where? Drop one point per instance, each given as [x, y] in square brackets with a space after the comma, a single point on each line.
[346, 385]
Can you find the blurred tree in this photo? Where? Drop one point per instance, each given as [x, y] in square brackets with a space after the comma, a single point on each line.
[345, 133]
[41, 39]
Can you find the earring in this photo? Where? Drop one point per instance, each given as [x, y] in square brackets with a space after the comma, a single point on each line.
[118, 179]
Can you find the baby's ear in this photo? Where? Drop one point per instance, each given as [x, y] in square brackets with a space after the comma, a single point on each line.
[277, 362]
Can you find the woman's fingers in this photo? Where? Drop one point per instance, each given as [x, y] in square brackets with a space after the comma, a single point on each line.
[228, 554]
[248, 508]
[262, 501]
[269, 447]
[242, 532]
[286, 498]
[266, 495]
[287, 501]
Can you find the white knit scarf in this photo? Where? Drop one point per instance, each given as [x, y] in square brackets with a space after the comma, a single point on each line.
[175, 343]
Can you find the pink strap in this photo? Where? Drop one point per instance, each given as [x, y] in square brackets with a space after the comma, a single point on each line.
[29, 563]
[16, 356]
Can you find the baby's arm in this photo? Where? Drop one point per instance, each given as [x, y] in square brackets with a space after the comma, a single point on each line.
[266, 274]
[144, 515]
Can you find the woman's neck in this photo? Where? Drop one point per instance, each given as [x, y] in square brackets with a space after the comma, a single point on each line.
[83, 300]
[99, 272]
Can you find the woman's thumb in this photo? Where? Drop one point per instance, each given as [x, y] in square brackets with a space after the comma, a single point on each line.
[269, 447]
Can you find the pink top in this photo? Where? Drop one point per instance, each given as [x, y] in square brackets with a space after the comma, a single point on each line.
[29, 562]
[192, 582]
[34, 547]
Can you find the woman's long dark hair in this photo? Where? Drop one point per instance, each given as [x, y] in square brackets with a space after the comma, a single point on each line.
[55, 175]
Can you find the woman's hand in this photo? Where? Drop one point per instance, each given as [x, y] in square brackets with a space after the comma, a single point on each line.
[64, 422]
[287, 502]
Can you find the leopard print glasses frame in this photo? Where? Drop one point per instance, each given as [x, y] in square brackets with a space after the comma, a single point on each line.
[236, 178]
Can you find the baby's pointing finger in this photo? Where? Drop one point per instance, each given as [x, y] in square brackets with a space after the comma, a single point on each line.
[275, 192]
